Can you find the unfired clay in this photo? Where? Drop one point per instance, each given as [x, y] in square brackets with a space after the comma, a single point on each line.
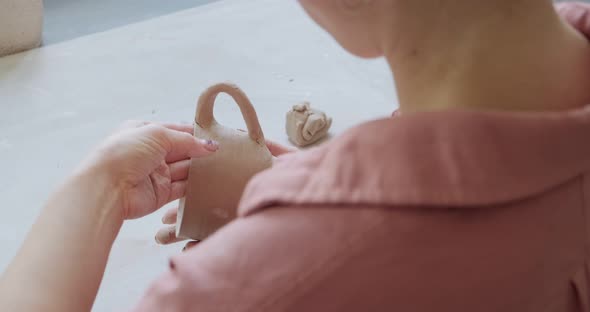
[306, 125]
[21, 24]
[216, 182]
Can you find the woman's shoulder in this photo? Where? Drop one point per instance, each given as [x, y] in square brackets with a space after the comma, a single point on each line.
[449, 158]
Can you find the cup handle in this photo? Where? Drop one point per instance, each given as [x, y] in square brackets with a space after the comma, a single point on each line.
[204, 114]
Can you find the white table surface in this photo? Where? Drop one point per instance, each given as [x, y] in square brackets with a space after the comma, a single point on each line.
[58, 101]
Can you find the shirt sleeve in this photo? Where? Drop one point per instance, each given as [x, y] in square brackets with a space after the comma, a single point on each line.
[359, 258]
[255, 263]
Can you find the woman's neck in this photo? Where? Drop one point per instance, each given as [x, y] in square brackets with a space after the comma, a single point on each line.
[498, 55]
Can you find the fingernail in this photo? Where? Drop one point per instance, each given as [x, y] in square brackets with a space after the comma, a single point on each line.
[210, 145]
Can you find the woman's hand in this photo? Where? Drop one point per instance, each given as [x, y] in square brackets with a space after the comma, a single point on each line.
[148, 164]
[134, 172]
[167, 234]
[576, 14]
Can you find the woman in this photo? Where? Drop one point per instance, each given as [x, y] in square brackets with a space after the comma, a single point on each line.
[472, 200]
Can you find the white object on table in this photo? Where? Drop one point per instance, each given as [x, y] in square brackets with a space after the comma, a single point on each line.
[57, 102]
[21, 25]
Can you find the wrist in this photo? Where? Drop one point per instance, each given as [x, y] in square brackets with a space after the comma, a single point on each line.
[94, 184]
[67, 248]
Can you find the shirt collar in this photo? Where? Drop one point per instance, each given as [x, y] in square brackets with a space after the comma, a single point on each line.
[446, 158]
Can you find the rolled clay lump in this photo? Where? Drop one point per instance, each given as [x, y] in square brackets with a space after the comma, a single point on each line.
[306, 125]
[216, 182]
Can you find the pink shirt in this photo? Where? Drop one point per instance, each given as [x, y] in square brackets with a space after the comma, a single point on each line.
[441, 211]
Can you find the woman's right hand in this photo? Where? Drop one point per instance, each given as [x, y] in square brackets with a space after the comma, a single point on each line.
[576, 14]
[167, 234]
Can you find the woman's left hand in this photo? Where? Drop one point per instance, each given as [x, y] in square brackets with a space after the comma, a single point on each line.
[148, 163]
[167, 234]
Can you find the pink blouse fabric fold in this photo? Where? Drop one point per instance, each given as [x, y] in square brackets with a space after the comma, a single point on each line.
[438, 211]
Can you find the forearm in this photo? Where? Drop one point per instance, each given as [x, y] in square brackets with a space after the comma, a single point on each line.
[62, 261]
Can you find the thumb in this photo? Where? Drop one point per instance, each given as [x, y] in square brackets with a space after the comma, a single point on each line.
[277, 149]
[179, 145]
[184, 145]
[576, 14]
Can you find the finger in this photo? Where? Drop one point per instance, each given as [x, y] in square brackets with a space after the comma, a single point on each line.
[170, 216]
[177, 190]
[179, 145]
[183, 146]
[179, 169]
[576, 14]
[278, 149]
[187, 128]
[167, 235]
[190, 245]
